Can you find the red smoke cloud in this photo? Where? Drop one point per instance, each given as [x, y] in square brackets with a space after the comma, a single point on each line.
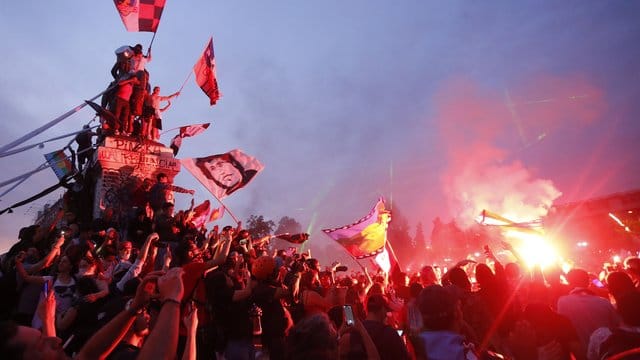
[481, 130]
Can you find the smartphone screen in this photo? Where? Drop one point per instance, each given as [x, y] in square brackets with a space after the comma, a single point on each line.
[45, 288]
[348, 315]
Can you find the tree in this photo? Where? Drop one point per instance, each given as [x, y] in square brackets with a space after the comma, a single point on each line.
[398, 236]
[419, 242]
[259, 227]
[288, 225]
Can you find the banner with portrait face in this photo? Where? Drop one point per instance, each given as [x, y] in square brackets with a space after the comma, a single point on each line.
[223, 174]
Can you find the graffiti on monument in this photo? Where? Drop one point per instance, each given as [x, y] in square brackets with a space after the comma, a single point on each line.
[143, 162]
[128, 145]
[118, 188]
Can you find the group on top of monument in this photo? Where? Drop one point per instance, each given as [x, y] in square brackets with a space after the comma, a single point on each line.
[137, 110]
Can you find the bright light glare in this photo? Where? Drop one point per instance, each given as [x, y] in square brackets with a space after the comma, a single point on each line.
[616, 259]
[534, 248]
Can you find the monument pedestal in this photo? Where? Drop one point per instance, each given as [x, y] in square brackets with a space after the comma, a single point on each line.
[121, 164]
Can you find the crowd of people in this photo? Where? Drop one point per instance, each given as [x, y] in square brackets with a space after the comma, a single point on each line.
[136, 108]
[149, 284]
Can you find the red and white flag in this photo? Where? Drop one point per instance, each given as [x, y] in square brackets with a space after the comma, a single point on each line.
[223, 174]
[140, 15]
[186, 131]
[205, 70]
[201, 214]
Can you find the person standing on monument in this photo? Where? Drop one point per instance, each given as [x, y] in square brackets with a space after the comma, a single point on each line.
[152, 118]
[122, 110]
[85, 151]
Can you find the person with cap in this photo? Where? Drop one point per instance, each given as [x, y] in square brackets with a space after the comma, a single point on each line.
[267, 295]
[386, 339]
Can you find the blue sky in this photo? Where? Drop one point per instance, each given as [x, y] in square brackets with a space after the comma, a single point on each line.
[344, 101]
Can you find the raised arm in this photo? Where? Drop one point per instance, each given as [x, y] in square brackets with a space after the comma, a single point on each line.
[33, 279]
[136, 268]
[48, 259]
[221, 253]
[191, 324]
[107, 338]
[163, 339]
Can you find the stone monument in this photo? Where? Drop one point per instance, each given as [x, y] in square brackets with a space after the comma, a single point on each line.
[121, 164]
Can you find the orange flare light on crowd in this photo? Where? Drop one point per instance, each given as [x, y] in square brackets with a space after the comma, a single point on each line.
[534, 248]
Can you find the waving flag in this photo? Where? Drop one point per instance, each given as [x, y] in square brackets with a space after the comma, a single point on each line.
[223, 174]
[200, 214]
[186, 131]
[205, 70]
[216, 214]
[60, 164]
[366, 237]
[140, 15]
[294, 238]
[105, 115]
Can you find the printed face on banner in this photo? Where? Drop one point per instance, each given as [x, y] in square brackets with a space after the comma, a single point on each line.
[223, 172]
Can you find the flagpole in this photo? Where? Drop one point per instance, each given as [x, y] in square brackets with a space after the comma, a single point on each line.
[393, 253]
[48, 125]
[27, 147]
[166, 131]
[151, 43]
[185, 80]
[226, 209]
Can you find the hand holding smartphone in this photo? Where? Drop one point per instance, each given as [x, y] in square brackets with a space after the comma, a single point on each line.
[348, 315]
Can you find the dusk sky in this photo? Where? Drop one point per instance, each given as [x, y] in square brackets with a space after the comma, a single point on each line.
[443, 108]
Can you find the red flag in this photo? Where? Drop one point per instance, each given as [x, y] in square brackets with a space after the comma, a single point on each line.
[201, 214]
[205, 70]
[186, 131]
[294, 238]
[216, 214]
[140, 15]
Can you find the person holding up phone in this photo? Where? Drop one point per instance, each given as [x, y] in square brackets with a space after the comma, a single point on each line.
[387, 341]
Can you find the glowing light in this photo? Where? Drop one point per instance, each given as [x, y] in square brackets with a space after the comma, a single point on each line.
[534, 248]
[582, 244]
[615, 218]
[477, 254]
[566, 267]
[616, 259]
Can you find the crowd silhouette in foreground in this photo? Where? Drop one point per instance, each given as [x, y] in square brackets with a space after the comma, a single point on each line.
[147, 284]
